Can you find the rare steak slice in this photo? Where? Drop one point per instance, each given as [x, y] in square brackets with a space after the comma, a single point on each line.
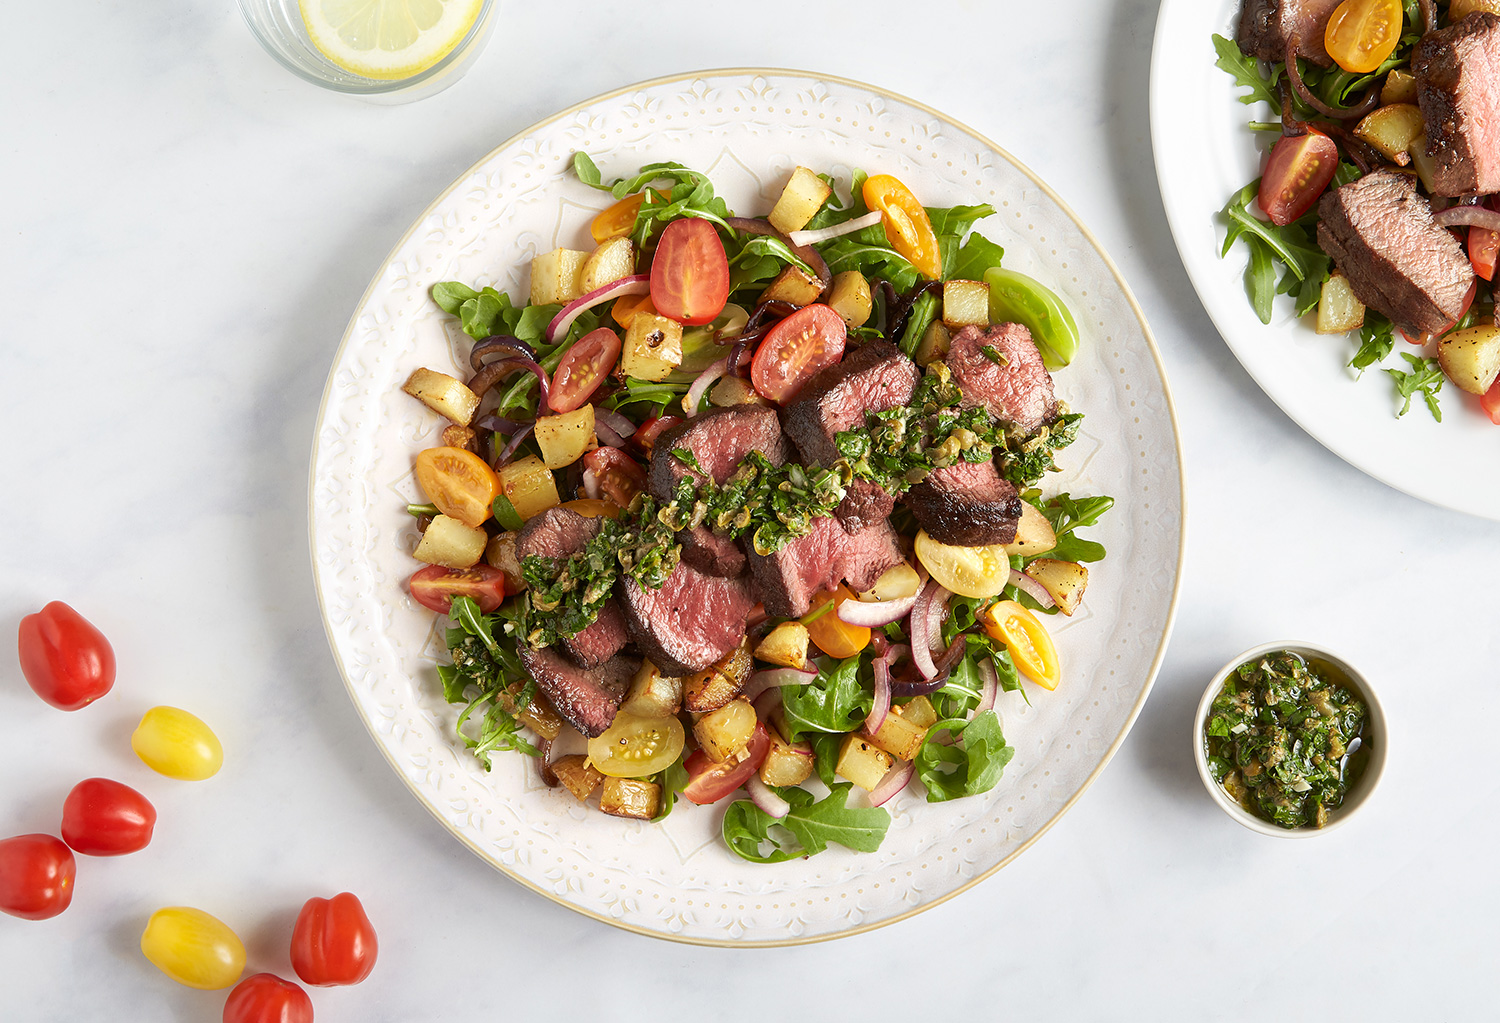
[691, 622]
[967, 505]
[1001, 370]
[559, 533]
[605, 636]
[1266, 26]
[1399, 262]
[874, 378]
[789, 578]
[710, 553]
[1458, 89]
[720, 439]
[587, 698]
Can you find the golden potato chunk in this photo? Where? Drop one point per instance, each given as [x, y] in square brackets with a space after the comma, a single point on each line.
[966, 303]
[529, 486]
[577, 775]
[724, 733]
[630, 797]
[557, 276]
[863, 763]
[1471, 357]
[448, 542]
[652, 347]
[566, 438]
[794, 286]
[800, 200]
[716, 685]
[1339, 311]
[785, 645]
[447, 396]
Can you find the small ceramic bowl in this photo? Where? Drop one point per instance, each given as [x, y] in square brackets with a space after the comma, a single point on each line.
[1373, 736]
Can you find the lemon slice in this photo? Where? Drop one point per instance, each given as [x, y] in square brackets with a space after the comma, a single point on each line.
[387, 39]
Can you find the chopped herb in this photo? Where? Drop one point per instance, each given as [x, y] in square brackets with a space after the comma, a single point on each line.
[1425, 378]
[995, 355]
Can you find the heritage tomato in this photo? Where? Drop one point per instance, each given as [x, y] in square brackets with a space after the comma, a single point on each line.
[104, 818]
[65, 659]
[266, 998]
[36, 876]
[690, 272]
[333, 942]
[1298, 170]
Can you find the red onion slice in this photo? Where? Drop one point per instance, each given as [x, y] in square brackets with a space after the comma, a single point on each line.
[876, 612]
[775, 678]
[706, 379]
[1468, 216]
[825, 234]
[769, 802]
[882, 703]
[606, 436]
[496, 371]
[511, 445]
[591, 485]
[544, 763]
[989, 691]
[1033, 589]
[636, 284]
[925, 625]
[894, 781]
[498, 343]
[616, 422]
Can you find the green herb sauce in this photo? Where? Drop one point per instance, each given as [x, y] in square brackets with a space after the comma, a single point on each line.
[1284, 738]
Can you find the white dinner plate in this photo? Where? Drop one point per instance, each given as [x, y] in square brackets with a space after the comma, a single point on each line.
[678, 880]
[1204, 155]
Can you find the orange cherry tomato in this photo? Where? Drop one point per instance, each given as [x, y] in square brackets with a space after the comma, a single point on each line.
[459, 482]
[1361, 34]
[1298, 170]
[907, 225]
[619, 219]
[834, 636]
[333, 942]
[626, 308]
[590, 508]
[1030, 646]
[434, 587]
[690, 272]
[810, 339]
[583, 368]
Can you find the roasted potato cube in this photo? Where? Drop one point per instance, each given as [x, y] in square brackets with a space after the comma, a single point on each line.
[608, 263]
[1401, 86]
[724, 733]
[734, 391]
[794, 286]
[448, 542]
[800, 200]
[713, 687]
[896, 582]
[652, 348]
[862, 763]
[461, 437]
[557, 276]
[785, 645]
[897, 736]
[1034, 533]
[1392, 130]
[578, 775]
[1471, 357]
[1338, 310]
[934, 344]
[919, 711]
[850, 297]
[529, 486]
[966, 303]
[445, 395]
[630, 797]
[652, 694]
[786, 763]
[501, 554]
[1065, 581]
[565, 438]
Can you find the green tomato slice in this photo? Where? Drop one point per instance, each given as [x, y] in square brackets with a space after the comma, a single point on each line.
[1016, 298]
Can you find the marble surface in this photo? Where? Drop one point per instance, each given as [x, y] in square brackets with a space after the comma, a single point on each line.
[186, 229]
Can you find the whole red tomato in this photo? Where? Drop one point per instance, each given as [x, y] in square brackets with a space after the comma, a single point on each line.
[104, 818]
[333, 942]
[266, 998]
[36, 876]
[67, 661]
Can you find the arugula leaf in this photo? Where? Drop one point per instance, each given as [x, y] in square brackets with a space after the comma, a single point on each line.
[587, 171]
[833, 702]
[672, 781]
[968, 766]
[1293, 245]
[1246, 72]
[466, 614]
[1376, 340]
[1425, 378]
[923, 311]
[826, 754]
[505, 513]
[976, 256]
[812, 826]
[1068, 514]
[957, 219]
[1260, 277]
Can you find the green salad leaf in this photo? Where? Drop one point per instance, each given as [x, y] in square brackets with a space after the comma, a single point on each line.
[807, 829]
[1424, 378]
[971, 764]
[1247, 72]
[836, 701]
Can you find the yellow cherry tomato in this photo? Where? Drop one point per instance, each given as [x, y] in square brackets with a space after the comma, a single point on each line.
[1027, 640]
[834, 636]
[459, 482]
[1361, 34]
[634, 746]
[906, 223]
[177, 744]
[967, 571]
[193, 948]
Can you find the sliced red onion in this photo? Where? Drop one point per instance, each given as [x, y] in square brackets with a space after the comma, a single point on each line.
[591, 485]
[498, 424]
[769, 802]
[1033, 589]
[499, 343]
[616, 422]
[925, 625]
[636, 284]
[494, 372]
[607, 437]
[894, 781]
[989, 691]
[882, 703]
[751, 225]
[516, 439]
[1370, 101]
[706, 379]
[876, 612]
[1468, 216]
[775, 678]
[544, 763]
[802, 251]
[824, 234]
[923, 686]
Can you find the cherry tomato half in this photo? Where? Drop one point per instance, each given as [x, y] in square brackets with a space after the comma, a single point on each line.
[690, 273]
[266, 998]
[907, 226]
[834, 636]
[193, 948]
[1297, 171]
[627, 307]
[618, 220]
[67, 661]
[177, 744]
[434, 587]
[36, 876]
[645, 437]
[634, 746]
[1030, 645]
[619, 476]
[104, 818]
[1361, 34]
[333, 942]
[1484, 248]
[810, 339]
[1490, 402]
[583, 368]
[709, 782]
[459, 482]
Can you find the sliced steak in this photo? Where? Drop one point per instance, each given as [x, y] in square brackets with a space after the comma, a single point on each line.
[1458, 89]
[720, 439]
[691, 622]
[586, 698]
[1267, 25]
[605, 636]
[710, 553]
[1381, 234]
[874, 378]
[789, 578]
[967, 505]
[559, 533]
[1017, 388]
[864, 504]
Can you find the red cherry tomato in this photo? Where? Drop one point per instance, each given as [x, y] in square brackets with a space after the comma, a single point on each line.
[1299, 168]
[1490, 402]
[810, 339]
[67, 661]
[645, 437]
[1484, 247]
[333, 942]
[434, 587]
[620, 477]
[709, 782]
[583, 368]
[690, 273]
[266, 998]
[36, 876]
[104, 818]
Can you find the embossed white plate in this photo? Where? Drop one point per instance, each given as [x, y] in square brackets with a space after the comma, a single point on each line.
[748, 129]
[1204, 155]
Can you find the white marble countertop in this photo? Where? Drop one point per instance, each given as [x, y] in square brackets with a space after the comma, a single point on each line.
[186, 229]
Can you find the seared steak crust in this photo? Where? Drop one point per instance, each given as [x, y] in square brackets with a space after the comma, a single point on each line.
[967, 505]
[1267, 25]
[1458, 89]
[691, 622]
[711, 554]
[1017, 388]
[720, 439]
[586, 698]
